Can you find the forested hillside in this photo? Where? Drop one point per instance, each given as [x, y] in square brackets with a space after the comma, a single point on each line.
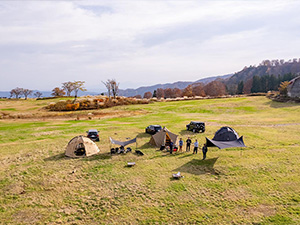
[266, 76]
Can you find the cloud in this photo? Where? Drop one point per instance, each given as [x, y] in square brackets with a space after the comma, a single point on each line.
[44, 43]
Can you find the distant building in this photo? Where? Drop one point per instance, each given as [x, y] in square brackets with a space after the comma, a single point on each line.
[293, 89]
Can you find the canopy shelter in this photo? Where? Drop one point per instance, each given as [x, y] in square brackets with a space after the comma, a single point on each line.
[163, 138]
[225, 137]
[81, 146]
[122, 143]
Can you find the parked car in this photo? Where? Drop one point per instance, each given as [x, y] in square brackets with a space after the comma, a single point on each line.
[153, 129]
[196, 126]
[93, 135]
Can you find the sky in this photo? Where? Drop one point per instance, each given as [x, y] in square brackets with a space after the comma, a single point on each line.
[140, 43]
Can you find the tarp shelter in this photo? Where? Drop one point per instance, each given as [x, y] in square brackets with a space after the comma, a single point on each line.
[163, 137]
[122, 143]
[81, 146]
[225, 137]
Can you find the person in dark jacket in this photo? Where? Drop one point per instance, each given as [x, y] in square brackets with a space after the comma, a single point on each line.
[188, 144]
[171, 147]
[204, 151]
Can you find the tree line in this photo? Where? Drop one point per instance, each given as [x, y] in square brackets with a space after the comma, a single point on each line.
[218, 88]
[66, 89]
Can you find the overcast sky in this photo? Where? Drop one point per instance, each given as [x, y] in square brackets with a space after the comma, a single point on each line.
[140, 43]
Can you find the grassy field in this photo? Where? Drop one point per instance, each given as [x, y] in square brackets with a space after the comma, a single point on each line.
[259, 184]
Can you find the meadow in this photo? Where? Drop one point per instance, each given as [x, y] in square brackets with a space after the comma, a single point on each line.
[259, 184]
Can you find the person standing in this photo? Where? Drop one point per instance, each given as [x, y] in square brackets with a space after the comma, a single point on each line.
[171, 147]
[204, 151]
[180, 144]
[196, 145]
[188, 144]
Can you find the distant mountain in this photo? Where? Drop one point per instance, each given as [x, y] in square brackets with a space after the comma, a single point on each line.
[266, 67]
[178, 84]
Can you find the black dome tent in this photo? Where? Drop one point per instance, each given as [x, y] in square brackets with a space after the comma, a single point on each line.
[225, 137]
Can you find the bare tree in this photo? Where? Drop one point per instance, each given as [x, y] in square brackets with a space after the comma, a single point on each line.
[26, 93]
[38, 94]
[108, 87]
[57, 92]
[148, 94]
[16, 92]
[112, 87]
[78, 85]
[68, 87]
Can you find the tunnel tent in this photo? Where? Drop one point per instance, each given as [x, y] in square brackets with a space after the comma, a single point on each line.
[81, 146]
[163, 138]
[225, 137]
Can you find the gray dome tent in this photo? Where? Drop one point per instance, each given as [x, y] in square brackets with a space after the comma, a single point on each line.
[225, 137]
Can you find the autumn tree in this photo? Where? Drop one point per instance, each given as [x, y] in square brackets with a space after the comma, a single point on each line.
[177, 92]
[160, 93]
[68, 87]
[137, 96]
[26, 93]
[17, 92]
[148, 95]
[168, 93]
[38, 94]
[197, 89]
[215, 88]
[247, 86]
[78, 85]
[57, 92]
[283, 87]
[188, 91]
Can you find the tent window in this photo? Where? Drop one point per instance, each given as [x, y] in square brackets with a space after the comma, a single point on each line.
[79, 150]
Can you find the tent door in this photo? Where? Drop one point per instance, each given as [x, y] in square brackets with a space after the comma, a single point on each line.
[79, 150]
[168, 140]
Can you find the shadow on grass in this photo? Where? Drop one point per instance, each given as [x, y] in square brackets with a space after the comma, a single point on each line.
[186, 133]
[100, 156]
[62, 156]
[277, 105]
[198, 167]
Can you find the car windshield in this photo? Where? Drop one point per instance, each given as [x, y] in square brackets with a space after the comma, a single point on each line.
[93, 133]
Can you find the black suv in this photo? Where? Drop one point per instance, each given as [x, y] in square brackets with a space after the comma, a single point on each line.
[196, 126]
[93, 135]
[153, 129]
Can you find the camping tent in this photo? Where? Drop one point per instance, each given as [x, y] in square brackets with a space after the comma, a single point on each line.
[163, 137]
[225, 137]
[293, 89]
[81, 146]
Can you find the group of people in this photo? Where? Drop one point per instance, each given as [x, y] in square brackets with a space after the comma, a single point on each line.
[188, 147]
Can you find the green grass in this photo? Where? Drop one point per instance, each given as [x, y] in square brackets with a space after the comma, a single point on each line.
[259, 184]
